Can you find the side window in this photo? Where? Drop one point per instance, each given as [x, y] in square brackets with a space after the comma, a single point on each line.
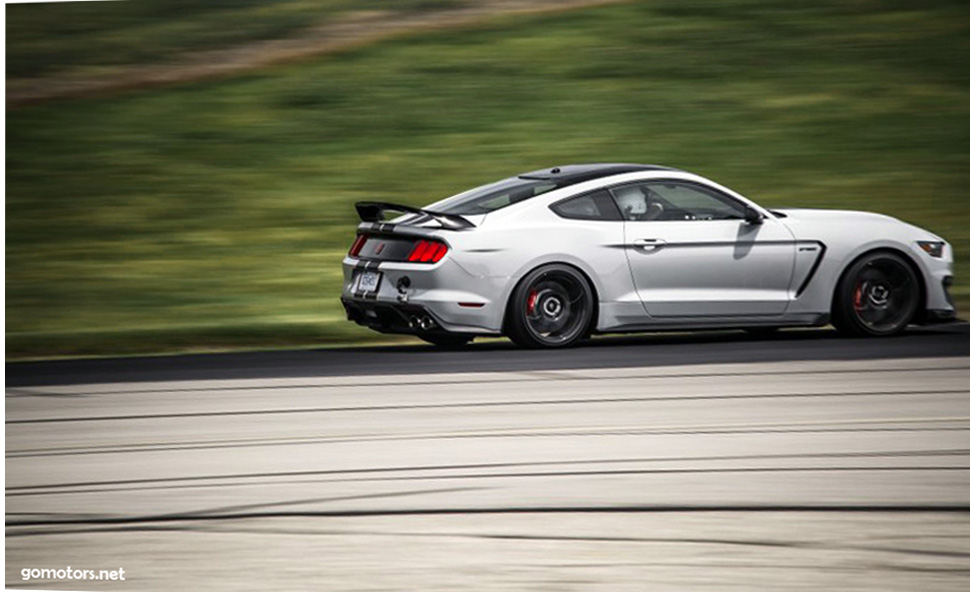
[672, 200]
[592, 206]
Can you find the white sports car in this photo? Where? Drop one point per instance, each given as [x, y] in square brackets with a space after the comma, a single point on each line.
[549, 257]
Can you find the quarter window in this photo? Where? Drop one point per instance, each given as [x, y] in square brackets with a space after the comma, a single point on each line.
[592, 206]
[671, 200]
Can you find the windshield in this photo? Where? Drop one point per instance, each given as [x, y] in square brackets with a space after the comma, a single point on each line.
[493, 196]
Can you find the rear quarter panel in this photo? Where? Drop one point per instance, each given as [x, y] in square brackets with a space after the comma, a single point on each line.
[508, 246]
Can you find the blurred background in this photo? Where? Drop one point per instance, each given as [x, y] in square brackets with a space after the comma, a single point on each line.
[180, 175]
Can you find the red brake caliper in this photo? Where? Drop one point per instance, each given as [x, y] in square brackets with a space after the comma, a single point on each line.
[530, 305]
[857, 298]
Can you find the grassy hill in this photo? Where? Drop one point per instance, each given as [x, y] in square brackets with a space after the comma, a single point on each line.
[216, 214]
[53, 37]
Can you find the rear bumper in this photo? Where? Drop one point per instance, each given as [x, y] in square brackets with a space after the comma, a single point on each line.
[390, 318]
[400, 318]
[456, 301]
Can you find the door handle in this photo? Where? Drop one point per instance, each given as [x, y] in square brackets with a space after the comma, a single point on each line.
[649, 243]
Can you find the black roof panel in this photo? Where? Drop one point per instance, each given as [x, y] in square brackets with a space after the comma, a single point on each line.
[571, 174]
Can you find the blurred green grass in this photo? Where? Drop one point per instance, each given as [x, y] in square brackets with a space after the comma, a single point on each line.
[216, 214]
[50, 37]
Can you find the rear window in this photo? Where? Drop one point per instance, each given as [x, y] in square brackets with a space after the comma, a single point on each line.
[493, 196]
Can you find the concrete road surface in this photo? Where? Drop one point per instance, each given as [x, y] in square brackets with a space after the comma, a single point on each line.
[795, 475]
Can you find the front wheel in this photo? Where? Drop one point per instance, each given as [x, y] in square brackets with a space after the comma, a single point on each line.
[551, 307]
[877, 296]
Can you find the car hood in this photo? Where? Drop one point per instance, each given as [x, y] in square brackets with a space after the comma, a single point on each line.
[814, 215]
[806, 221]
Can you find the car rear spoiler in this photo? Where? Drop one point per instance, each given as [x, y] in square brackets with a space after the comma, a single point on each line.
[373, 211]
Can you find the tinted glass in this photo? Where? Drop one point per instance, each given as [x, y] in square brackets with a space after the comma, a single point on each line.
[494, 196]
[594, 206]
[668, 201]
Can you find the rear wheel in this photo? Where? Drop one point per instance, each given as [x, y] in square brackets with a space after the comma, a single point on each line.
[447, 341]
[551, 307]
[877, 296]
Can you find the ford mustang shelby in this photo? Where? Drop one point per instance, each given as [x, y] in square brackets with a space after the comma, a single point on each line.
[552, 256]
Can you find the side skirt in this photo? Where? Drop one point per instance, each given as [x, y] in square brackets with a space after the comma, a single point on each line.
[801, 320]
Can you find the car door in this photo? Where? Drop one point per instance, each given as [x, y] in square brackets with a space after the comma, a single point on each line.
[692, 254]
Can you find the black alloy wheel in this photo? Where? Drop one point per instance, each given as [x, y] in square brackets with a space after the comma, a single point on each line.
[877, 296]
[551, 307]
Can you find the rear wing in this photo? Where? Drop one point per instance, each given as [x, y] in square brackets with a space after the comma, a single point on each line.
[373, 211]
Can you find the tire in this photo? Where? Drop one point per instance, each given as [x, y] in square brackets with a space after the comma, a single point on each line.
[551, 307]
[447, 340]
[878, 295]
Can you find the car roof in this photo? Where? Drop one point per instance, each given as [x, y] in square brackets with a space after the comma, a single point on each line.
[570, 174]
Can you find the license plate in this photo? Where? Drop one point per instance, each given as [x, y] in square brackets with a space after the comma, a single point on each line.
[368, 281]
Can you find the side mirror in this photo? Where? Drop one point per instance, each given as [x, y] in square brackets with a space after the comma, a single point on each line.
[752, 216]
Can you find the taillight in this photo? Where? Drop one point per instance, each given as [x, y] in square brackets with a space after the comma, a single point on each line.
[358, 245]
[428, 251]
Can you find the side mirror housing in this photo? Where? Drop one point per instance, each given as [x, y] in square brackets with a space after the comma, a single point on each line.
[752, 216]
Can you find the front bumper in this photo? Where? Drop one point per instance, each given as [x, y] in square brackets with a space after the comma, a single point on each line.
[939, 317]
[934, 316]
[938, 305]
